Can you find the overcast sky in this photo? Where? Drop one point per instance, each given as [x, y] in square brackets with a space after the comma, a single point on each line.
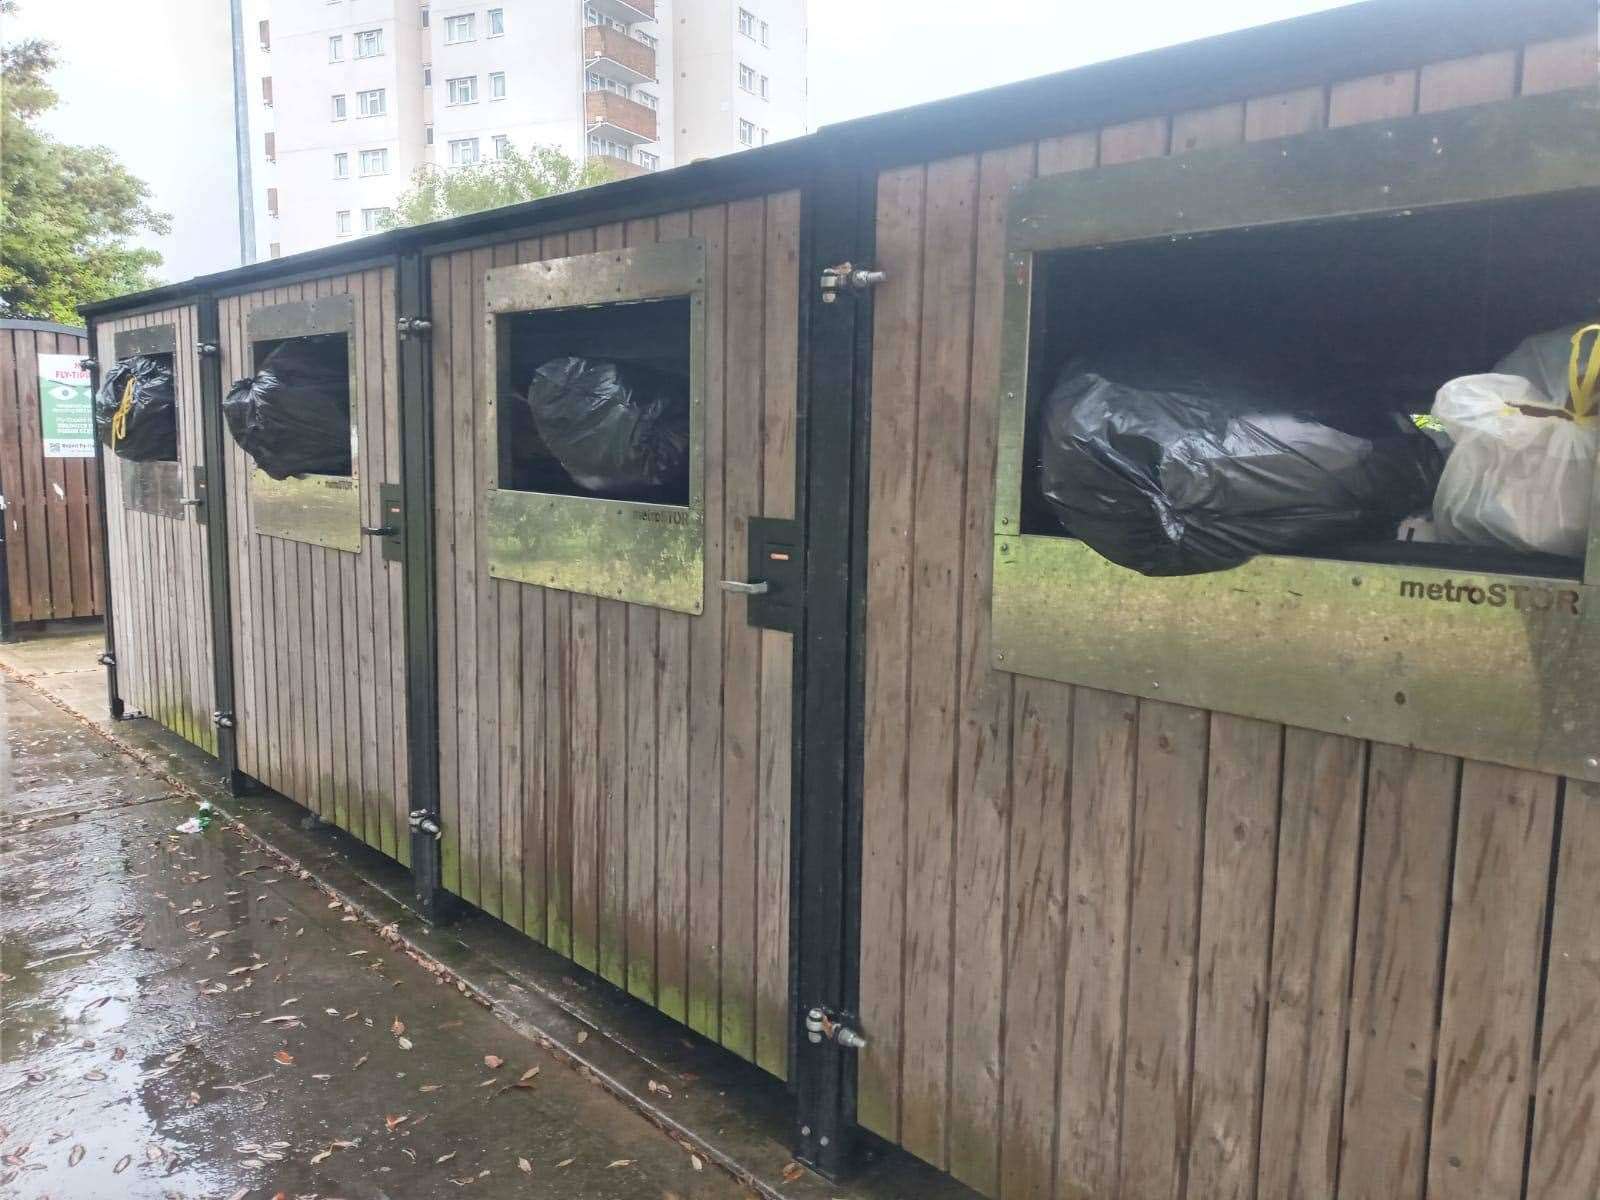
[866, 56]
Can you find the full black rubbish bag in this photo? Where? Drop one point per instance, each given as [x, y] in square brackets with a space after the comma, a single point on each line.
[1176, 460]
[293, 417]
[135, 413]
[620, 431]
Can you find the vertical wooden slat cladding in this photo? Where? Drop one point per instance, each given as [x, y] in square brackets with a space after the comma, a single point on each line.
[52, 534]
[159, 577]
[616, 780]
[317, 633]
[1112, 947]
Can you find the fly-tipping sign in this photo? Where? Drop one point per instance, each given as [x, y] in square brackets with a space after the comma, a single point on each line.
[66, 407]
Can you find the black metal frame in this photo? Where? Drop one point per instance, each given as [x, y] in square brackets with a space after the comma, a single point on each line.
[413, 304]
[8, 627]
[108, 657]
[836, 341]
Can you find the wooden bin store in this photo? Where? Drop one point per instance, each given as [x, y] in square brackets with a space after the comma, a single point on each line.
[1071, 882]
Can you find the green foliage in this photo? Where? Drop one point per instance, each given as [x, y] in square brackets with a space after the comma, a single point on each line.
[439, 192]
[66, 212]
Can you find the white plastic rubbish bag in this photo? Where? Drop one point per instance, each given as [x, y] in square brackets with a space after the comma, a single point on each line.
[1522, 471]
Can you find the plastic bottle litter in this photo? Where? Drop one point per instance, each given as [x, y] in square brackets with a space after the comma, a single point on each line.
[200, 821]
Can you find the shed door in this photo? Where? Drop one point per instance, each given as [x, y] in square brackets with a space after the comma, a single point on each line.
[318, 649]
[160, 581]
[615, 775]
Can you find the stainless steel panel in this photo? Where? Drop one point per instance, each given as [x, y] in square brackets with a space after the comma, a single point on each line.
[642, 553]
[155, 339]
[1495, 667]
[324, 510]
[152, 487]
[1487, 666]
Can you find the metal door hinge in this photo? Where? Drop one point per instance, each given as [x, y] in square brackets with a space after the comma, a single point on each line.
[107, 659]
[823, 1023]
[222, 720]
[849, 277]
[420, 821]
[205, 349]
[88, 364]
[417, 327]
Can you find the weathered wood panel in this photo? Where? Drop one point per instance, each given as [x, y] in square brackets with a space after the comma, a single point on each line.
[1239, 931]
[159, 574]
[616, 780]
[319, 663]
[52, 527]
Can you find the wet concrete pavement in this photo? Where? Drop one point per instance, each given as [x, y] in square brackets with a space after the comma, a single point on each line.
[182, 1016]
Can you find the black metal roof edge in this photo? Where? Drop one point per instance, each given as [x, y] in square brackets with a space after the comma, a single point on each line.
[43, 326]
[1359, 39]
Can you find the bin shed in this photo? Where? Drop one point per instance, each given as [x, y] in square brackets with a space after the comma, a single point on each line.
[701, 596]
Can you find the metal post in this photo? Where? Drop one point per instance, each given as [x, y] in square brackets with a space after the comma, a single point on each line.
[836, 339]
[8, 627]
[421, 633]
[109, 657]
[208, 334]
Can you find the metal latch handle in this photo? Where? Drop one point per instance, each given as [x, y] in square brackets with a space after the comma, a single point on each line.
[759, 587]
[191, 501]
[380, 530]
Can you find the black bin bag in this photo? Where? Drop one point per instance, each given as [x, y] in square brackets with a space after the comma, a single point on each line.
[1172, 459]
[618, 430]
[135, 413]
[293, 417]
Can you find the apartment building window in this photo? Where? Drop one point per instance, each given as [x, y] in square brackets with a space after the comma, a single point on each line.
[747, 132]
[608, 148]
[272, 202]
[600, 83]
[747, 78]
[747, 23]
[764, 33]
[341, 222]
[266, 90]
[375, 162]
[458, 29]
[463, 90]
[463, 152]
[650, 162]
[338, 107]
[763, 137]
[269, 142]
[336, 48]
[341, 165]
[497, 22]
[427, 134]
[591, 15]
[497, 85]
[374, 103]
[372, 219]
[427, 75]
[502, 145]
[424, 16]
[369, 43]
[765, 88]
[264, 33]
[646, 99]
[274, 250]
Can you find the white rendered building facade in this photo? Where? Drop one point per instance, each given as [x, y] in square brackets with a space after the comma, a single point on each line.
[348, 98]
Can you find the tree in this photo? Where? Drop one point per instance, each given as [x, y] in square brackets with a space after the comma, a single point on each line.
[66, 212]
[436, 193]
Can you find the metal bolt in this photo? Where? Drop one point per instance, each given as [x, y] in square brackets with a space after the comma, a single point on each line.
[823, 1140]
[805, 1131]
[1592, 763]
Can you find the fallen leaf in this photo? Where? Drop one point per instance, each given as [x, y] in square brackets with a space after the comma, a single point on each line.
[487, 1083]
[284, 1057]
[119, 1054]
[565, 1162]
[321, 1156]
[360, 1060]
[430, 1087]
[398, 1027]
[792, 1172]
[94, 1076]
[583, 1036]
[122, 1164]
[528, 1074]
[76, 1156]
[619, 1162]
[697, 1162]
[285, 1020]
[493, 1061]
[395, 1122]
[289, 1001]
[404, 1043]
[444, 1158]
[524, 1166]
[355, 954]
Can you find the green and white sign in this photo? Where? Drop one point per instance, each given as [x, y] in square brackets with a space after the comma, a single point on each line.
[66, 409]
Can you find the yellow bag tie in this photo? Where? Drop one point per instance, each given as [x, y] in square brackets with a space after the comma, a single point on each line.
[119, 419]
[1584, 381]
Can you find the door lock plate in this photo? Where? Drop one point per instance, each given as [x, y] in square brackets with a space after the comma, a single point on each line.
[777, 559]
[393, 510]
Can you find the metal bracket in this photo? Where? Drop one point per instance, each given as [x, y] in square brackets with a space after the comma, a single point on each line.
[391, 501]
[88, 364]
[107, 659]
[825, 1024]
[205, 349]
[849, 277]
[222, 719]
[420, 821]
[413, 327]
